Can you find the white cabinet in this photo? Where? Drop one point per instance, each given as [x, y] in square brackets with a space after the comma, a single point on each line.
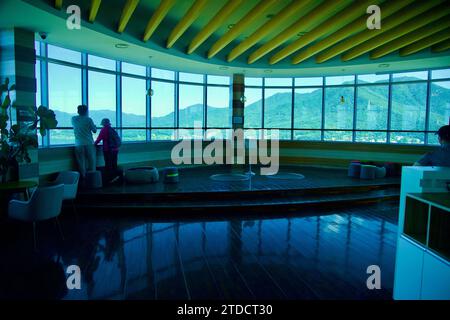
[422, 266]
[435, 278]
[408, 270]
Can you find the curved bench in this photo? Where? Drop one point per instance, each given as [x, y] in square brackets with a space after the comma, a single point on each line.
[142, 175]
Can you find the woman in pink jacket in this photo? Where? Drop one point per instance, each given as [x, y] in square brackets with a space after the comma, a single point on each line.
[111, 144]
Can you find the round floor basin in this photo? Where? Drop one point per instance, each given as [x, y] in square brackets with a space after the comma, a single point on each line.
[229, 177]
[287, 176]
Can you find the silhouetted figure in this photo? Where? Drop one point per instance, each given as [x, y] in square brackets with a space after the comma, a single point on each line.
[440, 157]
[83, 127]
[111, 144]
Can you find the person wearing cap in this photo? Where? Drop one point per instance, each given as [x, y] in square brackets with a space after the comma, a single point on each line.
[441, 156]
[110, 148]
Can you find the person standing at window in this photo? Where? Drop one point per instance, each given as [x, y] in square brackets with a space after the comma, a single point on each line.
[85, 153]
[111, 144]
[441, 156]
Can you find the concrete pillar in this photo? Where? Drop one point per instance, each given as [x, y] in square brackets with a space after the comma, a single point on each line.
[237, 116]
[17, 62]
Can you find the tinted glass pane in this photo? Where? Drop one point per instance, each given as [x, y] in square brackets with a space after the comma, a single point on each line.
[191, 106]
[131, 135]
[407, 138]
[307, 135]
[371, 137]
[61, 136]
[253, 108]
[315, 81]
[373, 78]
[253, 81]
[277, 108]
[133, 69]
[163, 74]
[218, 80]
[339, 106]
[308, 108]
[191, 77]
[38, 82]
[439, 104]
[410, 76]
[440, 74]
[219, 109]
[372, 105]
[344, 136]
[338, 80]
[408, 106]
[163, 134]
[59, 53]
[134, 97]
[275, 82]
[101, 63]
[162, 105]
[64, 93]
[102, 97]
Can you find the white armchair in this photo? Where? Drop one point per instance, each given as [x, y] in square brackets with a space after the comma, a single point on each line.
[45, 203]
[70, 181]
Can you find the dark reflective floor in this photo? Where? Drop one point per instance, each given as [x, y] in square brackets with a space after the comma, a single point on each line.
[317, 255]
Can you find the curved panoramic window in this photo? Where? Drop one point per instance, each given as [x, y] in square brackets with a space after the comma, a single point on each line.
[147, 103]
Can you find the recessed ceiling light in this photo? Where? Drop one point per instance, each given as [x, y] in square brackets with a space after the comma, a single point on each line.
[121, 46]
[270, 16]
[230, 26]
[383, 65]
[223, 68]
[268, 71]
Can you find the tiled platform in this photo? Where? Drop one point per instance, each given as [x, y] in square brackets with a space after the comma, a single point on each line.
[197, 190]
[197, 180]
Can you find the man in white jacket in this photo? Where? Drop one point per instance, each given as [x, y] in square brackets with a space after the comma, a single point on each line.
[85, 152]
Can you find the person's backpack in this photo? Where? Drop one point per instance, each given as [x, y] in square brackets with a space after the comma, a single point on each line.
[114, 140]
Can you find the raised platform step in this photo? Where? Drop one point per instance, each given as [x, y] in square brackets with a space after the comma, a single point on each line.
[197, 192]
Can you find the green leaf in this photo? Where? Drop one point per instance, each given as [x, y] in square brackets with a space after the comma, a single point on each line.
[12, 88]
[6, 102]
[47, 119]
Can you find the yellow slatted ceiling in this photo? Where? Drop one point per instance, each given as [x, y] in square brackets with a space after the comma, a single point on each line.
[291, 31]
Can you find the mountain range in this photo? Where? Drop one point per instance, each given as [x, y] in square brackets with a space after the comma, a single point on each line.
[408, 109]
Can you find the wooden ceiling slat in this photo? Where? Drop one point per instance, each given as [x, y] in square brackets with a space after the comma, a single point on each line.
[415, 9]
[95, 5]
[404, 28]
[127, 12]
[387, 8]
[243, 24]
[58, 4]
[317, 15]
[188, 19]
[295, 8]
[331, 25]
[157, 18]
[442, 46]
[410, 38]
[213, 24]
[426, 42]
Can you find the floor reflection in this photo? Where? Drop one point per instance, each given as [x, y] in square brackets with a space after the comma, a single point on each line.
[318, 255]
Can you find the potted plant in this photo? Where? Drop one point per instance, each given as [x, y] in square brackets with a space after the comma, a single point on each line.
[15, 139]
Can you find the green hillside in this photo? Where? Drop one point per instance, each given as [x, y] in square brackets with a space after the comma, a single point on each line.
[408, 110]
